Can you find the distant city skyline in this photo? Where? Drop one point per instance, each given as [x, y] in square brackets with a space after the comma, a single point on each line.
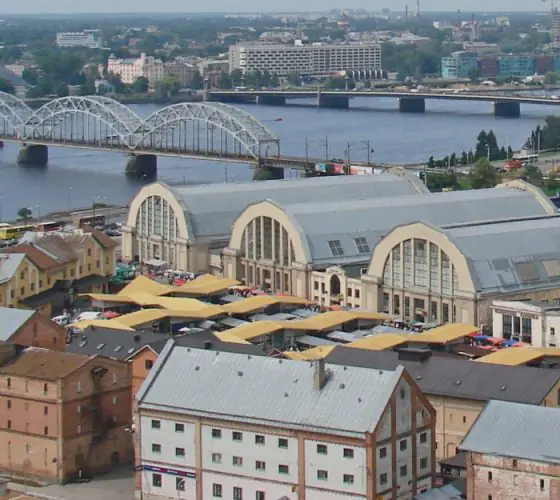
[163, 6]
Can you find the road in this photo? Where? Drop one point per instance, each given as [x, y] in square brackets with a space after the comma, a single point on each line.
[117, 485]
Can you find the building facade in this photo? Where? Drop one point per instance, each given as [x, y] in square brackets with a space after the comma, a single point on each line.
[386, 452]
[92, 39]
[459, 65]
[517, 460]
[64, 415]
[315, 60]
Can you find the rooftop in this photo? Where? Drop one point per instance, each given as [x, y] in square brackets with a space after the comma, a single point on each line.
[9, 264]
[516, 430]
[42, 364]
[11, 320]
[444, 376]
[273, 392]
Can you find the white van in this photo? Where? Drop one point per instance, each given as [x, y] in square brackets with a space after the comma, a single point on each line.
[88, 315]
[62, 320]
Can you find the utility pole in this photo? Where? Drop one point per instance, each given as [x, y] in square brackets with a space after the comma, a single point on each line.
[348, 155]
[369, 150]
[306, 151]
[326, 150]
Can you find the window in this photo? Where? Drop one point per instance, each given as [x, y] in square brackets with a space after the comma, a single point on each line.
[323, 475]
[46, 431]
[403, 470]
[156, 448]
[9, 425]
[156, 424]
[348, 479]
[336, 248]
[490, 477]
[383, 478]
[180, 452]
[423, 437]
[237, 493]
[282, 443]
[259, 439]
[89, 252]
[383, 452]
[464, 419]
[356, 293]
[156, 480]
[97, 264]
[148, 364]
[552, 331]
[216, 433]
[46, 410]
[9, 404]
[217, 490]
[260, 465]
[79, 429]
[348, 453]
[216, 458]
[362, 245]
[237, 461]
[315, 285]
[283, 469]
[237, 436]
[402, 445]
[514, 462]
[423, 463]
[322, 449]
[542, 484]
[180, 483]
[260, 495]
[179, 427]
[22, 290]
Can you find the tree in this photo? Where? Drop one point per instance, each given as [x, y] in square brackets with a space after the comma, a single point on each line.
[481, 150]
[236, 77]
[453, 160]
[294, 79]
[431, 163]
[116, 81]
[166, 87]
[483, 175]
[553, 183]
[24, 214]
[62, 90]
[197, 82]
[551, 78]
[509, 152]
[140, 85]
[7, 86]
[30, 76]
[224, 82]
[87, 88]
[464, 158]
[274, 80]
[533, 174]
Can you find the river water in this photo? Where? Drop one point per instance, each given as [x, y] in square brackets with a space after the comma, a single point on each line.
[76, 178]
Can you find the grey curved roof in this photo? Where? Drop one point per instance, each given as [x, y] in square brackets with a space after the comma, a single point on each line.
[211, 209]
[373, 219]
[511, 255]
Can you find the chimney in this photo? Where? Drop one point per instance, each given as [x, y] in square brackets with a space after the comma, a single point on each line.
[207, 344]
[319, 375]
[136, 338]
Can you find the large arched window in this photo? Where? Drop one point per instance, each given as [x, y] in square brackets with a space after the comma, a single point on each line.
[266, 239]
[420, 264]
[156, 218]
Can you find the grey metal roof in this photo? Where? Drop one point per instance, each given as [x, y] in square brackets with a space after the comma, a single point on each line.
[452, 491]
[211, 209]
[449, 376]
[372, 219]
[511, 255]
[9, 262]
[310, 340]
[273, 317]
[11, 320]
[267, 391]
[517, 431]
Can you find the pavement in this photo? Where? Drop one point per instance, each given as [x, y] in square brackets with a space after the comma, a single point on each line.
[116, 485]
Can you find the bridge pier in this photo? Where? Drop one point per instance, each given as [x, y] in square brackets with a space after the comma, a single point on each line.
[412, 104]
[36, 155]
[271, 100]
[141, 166]
[333, 101]
[262, 173]
[508, 109]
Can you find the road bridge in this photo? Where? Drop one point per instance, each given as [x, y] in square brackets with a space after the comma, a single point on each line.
[507, 105]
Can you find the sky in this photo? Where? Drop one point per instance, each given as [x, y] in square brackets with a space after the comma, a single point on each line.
[100, 6]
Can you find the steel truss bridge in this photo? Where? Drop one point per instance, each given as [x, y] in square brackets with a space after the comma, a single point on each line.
[209, 130]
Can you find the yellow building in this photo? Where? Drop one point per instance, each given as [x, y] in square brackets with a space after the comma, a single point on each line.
[45, 272]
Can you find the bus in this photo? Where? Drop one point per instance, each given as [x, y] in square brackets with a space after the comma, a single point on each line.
[526, 158]
[12, 232]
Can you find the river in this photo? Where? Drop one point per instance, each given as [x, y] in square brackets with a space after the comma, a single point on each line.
[76, 178]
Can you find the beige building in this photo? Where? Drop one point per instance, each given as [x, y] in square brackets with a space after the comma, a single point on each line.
[62, 413]
[189, 226]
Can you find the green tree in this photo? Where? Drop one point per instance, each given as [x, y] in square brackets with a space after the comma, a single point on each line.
[224, 82]
[294, 79]
[483, 175]
[503, 153]
[116, 81]
[166, 87]
[62, 90]
[509, 152]
[24, 214]
[274, 80]
[7, 86]
[552, 182]
[197, 82]
[236, 77]
[533, 174]
[87, 88]
[431, 163]
[464, 158]
[30, 76]
[481, 150]
[140, 85]
[453, 160]
[551, 78]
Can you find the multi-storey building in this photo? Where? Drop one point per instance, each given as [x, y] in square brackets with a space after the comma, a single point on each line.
[45, 271]
[512, 452]
[63, 415]
[316, 60]
[459, 65]
[516, 65]
[92, 39]
[24, 327]
[256, 427]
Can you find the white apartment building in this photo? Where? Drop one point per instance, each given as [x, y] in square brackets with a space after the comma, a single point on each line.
[92, 39]
[534, 323]
[316, 60]
[214, 425]
[149, 67]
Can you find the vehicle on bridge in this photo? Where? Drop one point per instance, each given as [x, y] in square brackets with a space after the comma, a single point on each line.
[12, 232]
[526, 158]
